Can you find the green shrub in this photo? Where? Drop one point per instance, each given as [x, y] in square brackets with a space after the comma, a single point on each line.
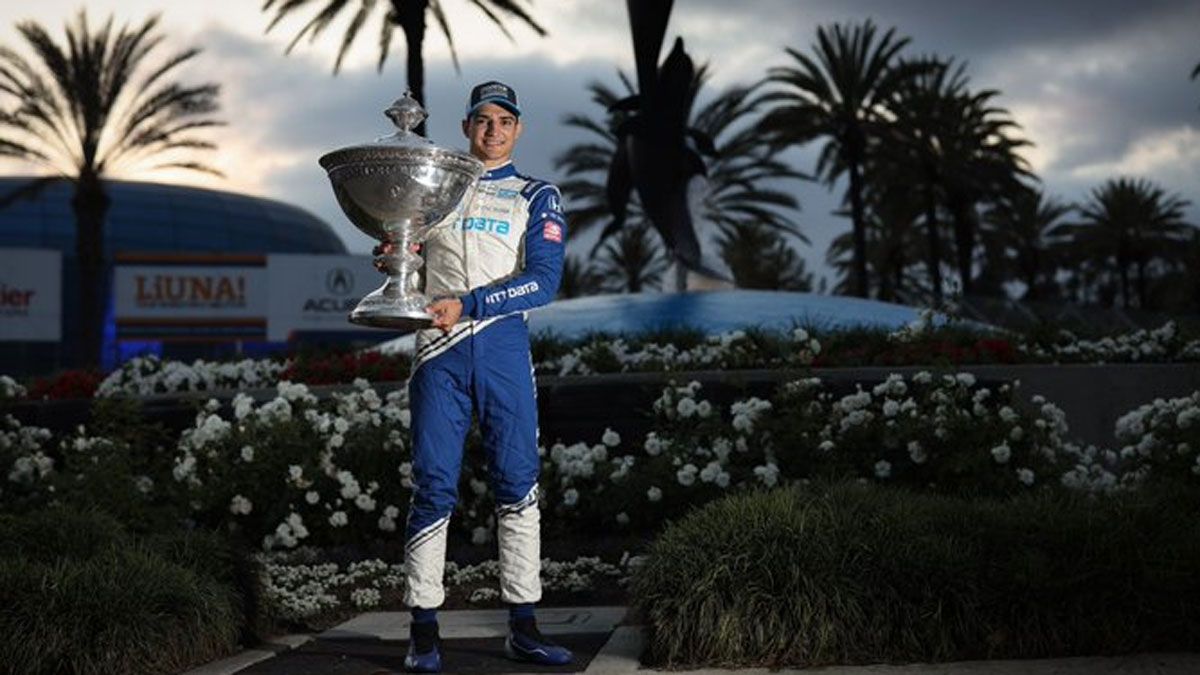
[46, 536]
[82, 595]
[122, 611]
[861, 574]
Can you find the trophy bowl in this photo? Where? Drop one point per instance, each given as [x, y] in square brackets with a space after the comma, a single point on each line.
[396, 189]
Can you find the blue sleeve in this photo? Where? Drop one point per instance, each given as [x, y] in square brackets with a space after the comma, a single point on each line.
[537, 284]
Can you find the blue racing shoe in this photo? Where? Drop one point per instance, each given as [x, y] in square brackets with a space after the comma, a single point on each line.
[423, 654]
[526, 643]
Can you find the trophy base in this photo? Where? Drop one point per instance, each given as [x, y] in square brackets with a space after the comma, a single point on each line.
[392, 320]
[389, 307]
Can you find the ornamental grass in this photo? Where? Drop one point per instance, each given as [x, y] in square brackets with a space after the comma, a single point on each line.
[853, 574]
[80, 595]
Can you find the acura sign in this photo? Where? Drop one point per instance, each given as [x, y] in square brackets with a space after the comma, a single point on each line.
[315, 292]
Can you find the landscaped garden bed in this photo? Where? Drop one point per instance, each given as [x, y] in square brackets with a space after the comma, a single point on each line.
[312, 490]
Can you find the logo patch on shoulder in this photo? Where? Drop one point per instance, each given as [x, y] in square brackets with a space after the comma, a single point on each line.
[552, 231]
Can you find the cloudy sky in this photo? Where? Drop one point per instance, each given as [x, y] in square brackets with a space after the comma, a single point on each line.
[1100, 87]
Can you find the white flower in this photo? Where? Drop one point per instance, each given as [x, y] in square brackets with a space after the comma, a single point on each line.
[480, 536]
[364, 502]
[312, 497]
[687, 475]
[1025, 476]
[391, 511]
[247, 453]
[571, 497]
[1001, 453]
[623, 518]
[478, 487]
[966, 379]
[825, 446]
[386, 523]
[365, 598]
[703, 409]
[239, 505]
[338, 519]
[610, 438]
[799, 335]
[295, 473]
[336, 441]
[923, 377]
[768, 474]
[917, 453]
[686, 407]
[890, 408]
[653, 445]
[654, 494]
[710, 472]
[1016, 434]
[883, 469]
[1008, 415]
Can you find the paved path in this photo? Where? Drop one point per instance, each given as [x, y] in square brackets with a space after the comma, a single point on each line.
[374, 643]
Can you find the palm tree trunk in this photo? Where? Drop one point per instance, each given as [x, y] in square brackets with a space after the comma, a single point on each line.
[411, 16]
[861, 283]
[1141, 283]
[90, 204]
[964, 240]
[935, 248]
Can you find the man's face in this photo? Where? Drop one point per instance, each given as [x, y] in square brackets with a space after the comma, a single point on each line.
[493, 132]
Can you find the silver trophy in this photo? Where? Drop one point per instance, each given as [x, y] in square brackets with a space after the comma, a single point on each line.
[396, 189]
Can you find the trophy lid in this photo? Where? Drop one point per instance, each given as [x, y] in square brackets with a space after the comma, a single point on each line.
[406, 113]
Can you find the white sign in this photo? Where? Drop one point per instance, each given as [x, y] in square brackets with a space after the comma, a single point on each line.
[180, 297]
[316, 292]
[181, 291]
[30, 295]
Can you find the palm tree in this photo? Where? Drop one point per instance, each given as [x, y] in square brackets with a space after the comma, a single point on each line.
[407, 15]
[1019, 228]
[91, 107]
[839, 94]
[924, 105]
[759, 257]
[1128, 224]
[578, 278]
[963, 150]
[632, 261]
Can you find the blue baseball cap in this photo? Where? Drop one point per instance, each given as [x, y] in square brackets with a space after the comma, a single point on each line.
[493, 92]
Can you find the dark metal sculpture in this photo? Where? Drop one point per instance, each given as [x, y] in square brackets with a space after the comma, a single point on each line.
[657, 153]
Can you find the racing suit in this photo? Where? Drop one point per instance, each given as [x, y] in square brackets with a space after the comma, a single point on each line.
[500, 253]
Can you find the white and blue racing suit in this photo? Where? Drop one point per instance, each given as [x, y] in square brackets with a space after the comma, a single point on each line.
[500, 253]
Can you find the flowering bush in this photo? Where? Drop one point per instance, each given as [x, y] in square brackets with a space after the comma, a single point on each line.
[346, 367]
[1164, 343]
[145, 375]
[66, 385]
[1162, 438]
[298, 587]
[10, 389]
[945, 433]
[735, 349]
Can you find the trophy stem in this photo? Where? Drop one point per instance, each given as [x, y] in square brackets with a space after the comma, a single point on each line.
[397, 304]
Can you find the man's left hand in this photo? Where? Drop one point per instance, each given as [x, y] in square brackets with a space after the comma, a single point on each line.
[446, 313]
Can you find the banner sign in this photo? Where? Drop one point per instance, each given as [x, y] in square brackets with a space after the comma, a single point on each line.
[316, 292]
[30, 295]
[190, 297]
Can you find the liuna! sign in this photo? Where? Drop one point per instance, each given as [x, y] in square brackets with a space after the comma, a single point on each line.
[190, 297]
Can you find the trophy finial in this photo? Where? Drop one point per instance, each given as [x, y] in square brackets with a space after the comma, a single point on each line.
[406, 113]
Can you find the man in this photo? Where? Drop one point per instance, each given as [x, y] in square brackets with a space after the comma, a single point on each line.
[499, 255]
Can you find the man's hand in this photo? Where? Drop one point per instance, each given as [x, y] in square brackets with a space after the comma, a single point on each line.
[446, 313]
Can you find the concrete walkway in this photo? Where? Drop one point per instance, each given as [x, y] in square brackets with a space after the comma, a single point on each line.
[374, 643]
